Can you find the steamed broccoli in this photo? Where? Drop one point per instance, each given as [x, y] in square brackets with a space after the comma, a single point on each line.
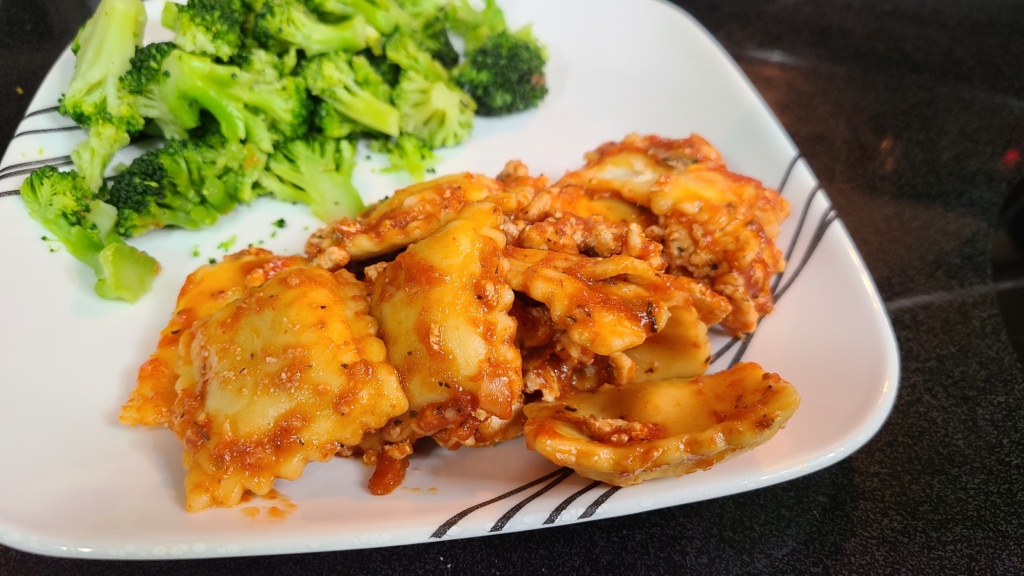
[329, 122]
[431, 107]
[432, 36]
[206, 27]
[316, 172]
[172, 87]
[475, 26]
[434, 110]
[65, 205]
[505, 74]
[185, 183]
[270, 66]
[403, 51]
[383, 15]
[284, 24]
[407, 153]
[331, 78]
[103, 50]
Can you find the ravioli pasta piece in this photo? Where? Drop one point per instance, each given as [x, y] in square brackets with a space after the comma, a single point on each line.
[205, 291]
[720, 227]
[715, 225]
[680, 350]
[287, 374]
[443, 307]
[627, 434]
[604, 304]
[414, 213]
[631, 167]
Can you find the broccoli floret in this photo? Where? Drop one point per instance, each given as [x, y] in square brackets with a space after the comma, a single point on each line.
[333, 124]
[402, 49]
[383, 15]
[505, 74]
[94, 99]
[432, 36]
[65, 205]
[270, 66]
[475, 26]
[331, 78]
[185, 183]
[207, 27]
[247, 106]
[369, 78]
[284, 24]
[407, 153]
[434, 110]
[316, 172]
[173, 117]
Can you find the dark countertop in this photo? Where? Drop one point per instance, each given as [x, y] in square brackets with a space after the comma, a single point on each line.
[911, 113]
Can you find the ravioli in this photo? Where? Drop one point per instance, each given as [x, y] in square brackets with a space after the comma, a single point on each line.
[715, 225]
[604, 304]
[206, 290]
[287, 374]
[414, 213]
[443, 307]
[624, 435]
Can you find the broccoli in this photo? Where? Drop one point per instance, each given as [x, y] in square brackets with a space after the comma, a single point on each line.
[505, 74]
[206, 27]
[403, 50]
[255, 107]
[284, 24]
[431, 107]
[407, 153]
[432, 36]
[331, 78]
[383, 15]
[65, 205]
[434, 110]
[185, 183]
[103, 50]
[316, 172]
[270, 66]
[475, 26]
[333, 124]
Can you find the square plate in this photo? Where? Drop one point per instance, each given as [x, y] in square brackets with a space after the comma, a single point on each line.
[79, 484]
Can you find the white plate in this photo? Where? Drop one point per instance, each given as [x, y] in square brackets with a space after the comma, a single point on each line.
[76, 483]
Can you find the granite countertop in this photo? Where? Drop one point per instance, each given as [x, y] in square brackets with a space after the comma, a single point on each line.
[911, 113]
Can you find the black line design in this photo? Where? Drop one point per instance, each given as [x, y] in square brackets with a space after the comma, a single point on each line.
[596, 504]
[799, 228]
[725, 348]
[26, 167]
[788, 172]
[504, 520]
[560, 474]
[10, 193]
[43, 111]
[819, 233]
[47, 130]
[568, 502]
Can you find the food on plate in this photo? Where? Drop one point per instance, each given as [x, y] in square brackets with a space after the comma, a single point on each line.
[473, 310]
[715, 225]
[272, 99]
[625, 434]
[206, 290]
[443, 307]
